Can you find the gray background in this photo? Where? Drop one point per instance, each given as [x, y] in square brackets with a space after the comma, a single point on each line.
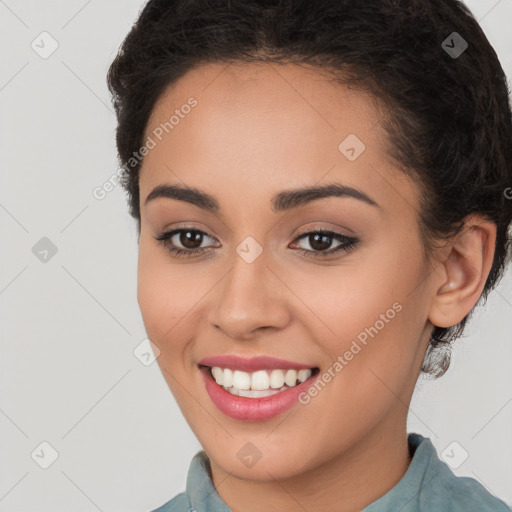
[70, 321]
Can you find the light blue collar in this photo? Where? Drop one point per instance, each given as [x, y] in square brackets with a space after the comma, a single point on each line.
[428, 485]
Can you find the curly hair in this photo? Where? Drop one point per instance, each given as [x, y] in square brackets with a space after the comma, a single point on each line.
[448, 117]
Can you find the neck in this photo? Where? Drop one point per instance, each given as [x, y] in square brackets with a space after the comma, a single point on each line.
[346, 483]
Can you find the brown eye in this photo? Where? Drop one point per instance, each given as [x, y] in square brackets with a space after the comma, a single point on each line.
[185, 242]
[190, 239]
[321, 240]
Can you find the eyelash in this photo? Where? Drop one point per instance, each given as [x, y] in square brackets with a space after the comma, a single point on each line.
[349, 243]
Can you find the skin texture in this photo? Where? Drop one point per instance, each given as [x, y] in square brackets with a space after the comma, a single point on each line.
[259, 129]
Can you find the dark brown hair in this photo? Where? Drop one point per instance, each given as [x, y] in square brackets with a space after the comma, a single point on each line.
[448, 116]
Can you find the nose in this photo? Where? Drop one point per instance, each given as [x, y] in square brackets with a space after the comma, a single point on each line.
[250, 298]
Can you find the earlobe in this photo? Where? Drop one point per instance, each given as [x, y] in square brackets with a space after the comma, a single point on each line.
[465, 271]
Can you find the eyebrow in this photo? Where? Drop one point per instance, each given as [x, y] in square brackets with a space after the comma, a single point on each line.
[282, 201]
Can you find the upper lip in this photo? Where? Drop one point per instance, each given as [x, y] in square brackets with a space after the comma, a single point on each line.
[252, 364]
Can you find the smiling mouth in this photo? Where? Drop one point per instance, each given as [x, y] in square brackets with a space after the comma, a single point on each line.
[260, 383]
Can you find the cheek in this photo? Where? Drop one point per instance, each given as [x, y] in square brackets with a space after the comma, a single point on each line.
[344, 300]
[163, 299]
[366, 302]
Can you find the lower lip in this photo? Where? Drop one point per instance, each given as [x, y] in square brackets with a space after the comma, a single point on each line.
[253, 409]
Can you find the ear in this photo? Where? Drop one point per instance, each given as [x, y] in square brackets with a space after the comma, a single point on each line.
[465, 267]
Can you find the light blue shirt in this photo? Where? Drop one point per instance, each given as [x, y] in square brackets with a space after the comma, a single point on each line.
[428, 485]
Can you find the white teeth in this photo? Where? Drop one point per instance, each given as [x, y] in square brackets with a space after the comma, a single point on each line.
[228, 378]
[249, 393]
[291, 377]
[218, 375]
[302, 375]
[276, 379]
[259, 380]
[259, 383]
[241, 380]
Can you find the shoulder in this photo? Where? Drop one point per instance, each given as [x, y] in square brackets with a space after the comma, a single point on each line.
[179, 503]
[429, 485]
[463, 494]
[442, 490]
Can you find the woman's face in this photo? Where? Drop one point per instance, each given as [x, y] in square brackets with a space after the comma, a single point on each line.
[256, 287]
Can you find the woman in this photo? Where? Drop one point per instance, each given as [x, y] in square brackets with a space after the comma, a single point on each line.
[321, 197]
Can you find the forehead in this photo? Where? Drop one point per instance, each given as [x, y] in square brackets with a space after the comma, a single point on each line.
[263, 127]
[242, 91]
